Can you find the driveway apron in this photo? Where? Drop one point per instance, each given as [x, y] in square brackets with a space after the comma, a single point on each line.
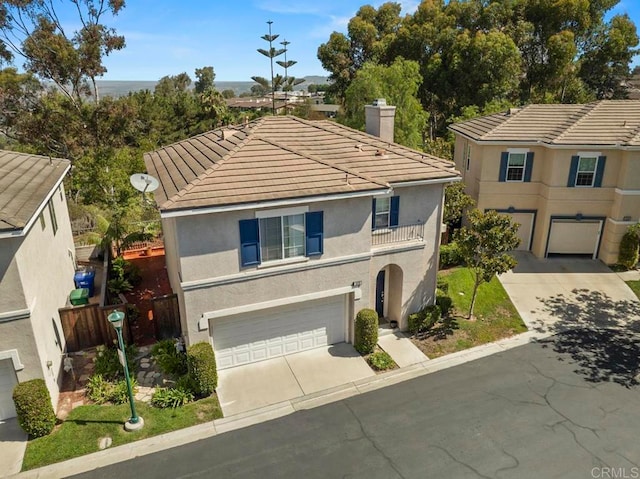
[557, 294]
[245, 388]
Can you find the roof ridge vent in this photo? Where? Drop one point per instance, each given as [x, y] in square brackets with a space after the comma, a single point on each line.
[513, 110]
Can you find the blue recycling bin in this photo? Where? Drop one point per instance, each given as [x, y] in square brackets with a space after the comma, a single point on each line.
[85, 278]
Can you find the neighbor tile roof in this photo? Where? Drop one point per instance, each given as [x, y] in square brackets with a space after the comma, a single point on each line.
[605, 122]
[25, 182]
[282, 157]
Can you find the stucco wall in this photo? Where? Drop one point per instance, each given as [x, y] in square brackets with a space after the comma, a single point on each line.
[47, 266]
[548, 194]
[11, 294]
[213, 280]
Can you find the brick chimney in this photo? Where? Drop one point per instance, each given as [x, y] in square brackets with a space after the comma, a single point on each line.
[379, 119]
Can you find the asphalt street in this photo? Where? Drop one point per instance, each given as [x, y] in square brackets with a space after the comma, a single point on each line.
[566, 407]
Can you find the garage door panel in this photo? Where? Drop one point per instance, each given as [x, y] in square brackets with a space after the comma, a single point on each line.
[573, 237]
[525, 220]
[259, 335]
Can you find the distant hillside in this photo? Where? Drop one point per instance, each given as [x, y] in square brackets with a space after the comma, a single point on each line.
[116, 88]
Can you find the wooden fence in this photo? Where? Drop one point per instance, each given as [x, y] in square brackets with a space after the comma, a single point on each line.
[88, 326]
[166, 316]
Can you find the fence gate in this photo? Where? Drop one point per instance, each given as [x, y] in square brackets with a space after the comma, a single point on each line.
[166, 316]
[87, 326]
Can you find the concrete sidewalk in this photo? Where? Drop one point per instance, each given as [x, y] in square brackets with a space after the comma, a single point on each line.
[219, 426]
[13, 442]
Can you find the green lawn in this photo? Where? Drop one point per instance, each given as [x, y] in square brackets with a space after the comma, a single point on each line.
[80, 433]
[635, 286]
[495, 317]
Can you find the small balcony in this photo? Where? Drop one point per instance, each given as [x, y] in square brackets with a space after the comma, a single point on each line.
[398, 234]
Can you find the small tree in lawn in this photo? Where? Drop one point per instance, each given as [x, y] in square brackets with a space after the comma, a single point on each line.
[484, 244]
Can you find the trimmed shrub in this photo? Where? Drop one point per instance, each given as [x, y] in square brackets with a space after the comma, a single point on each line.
[424, 319]
[170, 360]
[108, 364]
[201, 363]
[173, 398]
[450, 255]
[187, 383]
[33, 407]
[381, 361]
[444, 302]
[629, 246]
[366, 331]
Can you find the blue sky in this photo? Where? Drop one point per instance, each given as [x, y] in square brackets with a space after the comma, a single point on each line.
[166, 37]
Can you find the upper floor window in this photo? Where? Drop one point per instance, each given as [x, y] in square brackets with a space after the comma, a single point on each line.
[385, 211]
[586, 170]
[293, 233]
[516, 165]
[52, 214]
[282, 237]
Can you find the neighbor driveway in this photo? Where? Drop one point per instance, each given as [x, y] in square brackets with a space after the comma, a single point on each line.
[261, 384]
[557, 294]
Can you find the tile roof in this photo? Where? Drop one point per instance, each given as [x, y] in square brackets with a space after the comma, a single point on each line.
[605, 122]
[25, 182]
[282, 157]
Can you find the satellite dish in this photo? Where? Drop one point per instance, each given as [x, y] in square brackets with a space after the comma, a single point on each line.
[143, 182]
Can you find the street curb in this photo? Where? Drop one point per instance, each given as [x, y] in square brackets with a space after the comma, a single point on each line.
[180, 437]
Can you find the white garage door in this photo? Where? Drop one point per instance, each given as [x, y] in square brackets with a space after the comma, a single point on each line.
[269, 333]
[574, 237]
[7, 383]
[526, 228]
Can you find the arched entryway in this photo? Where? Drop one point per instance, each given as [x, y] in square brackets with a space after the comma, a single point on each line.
[388, 293]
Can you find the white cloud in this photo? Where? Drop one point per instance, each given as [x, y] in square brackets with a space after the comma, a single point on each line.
[336, 24]
[291, 7]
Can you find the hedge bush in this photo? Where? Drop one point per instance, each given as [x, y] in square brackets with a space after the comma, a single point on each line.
[381, 361]
[170, 360]
[444, 302]
[450, 255]
[366, 331]
[629, 246]
[33, 407]
[424, 319]
[201, 363]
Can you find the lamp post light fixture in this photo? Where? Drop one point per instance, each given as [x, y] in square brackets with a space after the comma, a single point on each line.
[116, 319]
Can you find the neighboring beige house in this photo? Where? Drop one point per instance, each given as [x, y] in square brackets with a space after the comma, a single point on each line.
[278, 231]
[36, 271]
[569, 174]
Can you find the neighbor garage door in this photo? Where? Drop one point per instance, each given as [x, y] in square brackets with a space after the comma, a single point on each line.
[574, 237]
[7, 383]
[269, 333]
[525, 230]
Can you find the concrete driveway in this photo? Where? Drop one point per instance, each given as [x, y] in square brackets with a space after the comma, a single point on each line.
[557, 294]
[252, 386]
[13, 442]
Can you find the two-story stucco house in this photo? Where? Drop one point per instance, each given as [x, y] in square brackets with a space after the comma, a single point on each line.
[36, 271]
[279, 230]
[569, 174]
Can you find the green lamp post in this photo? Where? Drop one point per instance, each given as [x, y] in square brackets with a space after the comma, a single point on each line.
[135, 422]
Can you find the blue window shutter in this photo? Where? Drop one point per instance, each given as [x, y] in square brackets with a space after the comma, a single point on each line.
[573, 171]
[528, 167]
[249, 242]
[504, 159]
[373, 214]
[314, 232]
[600, 171]
[394, 214]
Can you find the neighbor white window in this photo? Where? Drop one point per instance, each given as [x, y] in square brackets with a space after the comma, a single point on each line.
[515, 166]
[383, 209]
[586, 173]
[282, 237]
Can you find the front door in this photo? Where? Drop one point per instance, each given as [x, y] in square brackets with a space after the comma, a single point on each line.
[380, 294]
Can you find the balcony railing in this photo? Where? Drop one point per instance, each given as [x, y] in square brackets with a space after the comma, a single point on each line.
[398, 234]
